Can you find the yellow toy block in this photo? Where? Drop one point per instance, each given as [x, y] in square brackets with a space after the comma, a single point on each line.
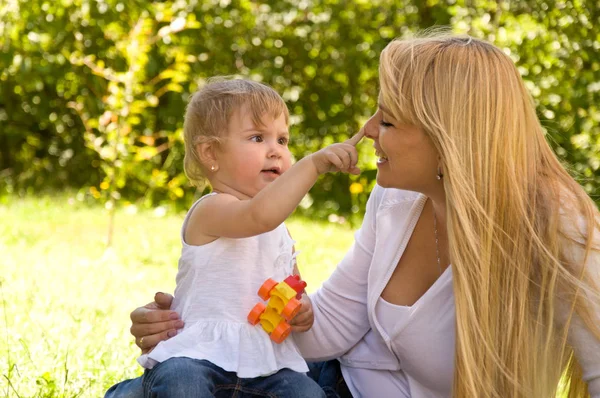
[283, 304]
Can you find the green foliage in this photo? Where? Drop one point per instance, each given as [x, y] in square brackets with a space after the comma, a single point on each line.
[92, 93]
[555, 45]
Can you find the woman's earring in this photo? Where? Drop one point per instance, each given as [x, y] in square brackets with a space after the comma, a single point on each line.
[439, 173]
[213, 168]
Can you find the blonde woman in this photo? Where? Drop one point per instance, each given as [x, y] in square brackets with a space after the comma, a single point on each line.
[476, 271]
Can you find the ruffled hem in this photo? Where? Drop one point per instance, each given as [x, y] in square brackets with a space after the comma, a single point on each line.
[236, 347]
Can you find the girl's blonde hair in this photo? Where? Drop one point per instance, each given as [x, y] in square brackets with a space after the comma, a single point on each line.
[210, 109]
[519, 227]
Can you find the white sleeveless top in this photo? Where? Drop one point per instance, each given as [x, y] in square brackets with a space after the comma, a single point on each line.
[217, 285]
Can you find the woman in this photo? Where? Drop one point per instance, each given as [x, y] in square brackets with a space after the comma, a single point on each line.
[475, 272]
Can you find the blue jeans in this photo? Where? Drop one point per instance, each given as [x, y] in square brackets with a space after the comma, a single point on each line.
[329, 377]
[189, 378]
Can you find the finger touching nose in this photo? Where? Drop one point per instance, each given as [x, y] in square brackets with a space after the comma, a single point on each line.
[355, 139]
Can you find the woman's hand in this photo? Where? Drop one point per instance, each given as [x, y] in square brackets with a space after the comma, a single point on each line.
[154, 322]
[305, 318]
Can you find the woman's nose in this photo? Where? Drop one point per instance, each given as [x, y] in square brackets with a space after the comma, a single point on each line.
[371, 128]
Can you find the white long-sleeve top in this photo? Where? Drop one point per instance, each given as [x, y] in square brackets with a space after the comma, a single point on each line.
[416, 359]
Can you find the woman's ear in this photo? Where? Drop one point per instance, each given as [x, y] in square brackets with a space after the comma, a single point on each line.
[207, 155]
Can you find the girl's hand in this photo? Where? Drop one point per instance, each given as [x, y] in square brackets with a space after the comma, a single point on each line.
[338, 157]
[154, 322]
[305, 318]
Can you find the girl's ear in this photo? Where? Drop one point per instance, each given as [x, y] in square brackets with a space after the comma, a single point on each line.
[207, 154]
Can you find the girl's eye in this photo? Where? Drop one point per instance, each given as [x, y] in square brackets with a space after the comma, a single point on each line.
[256, 138]
[385, 124]
[283, 141]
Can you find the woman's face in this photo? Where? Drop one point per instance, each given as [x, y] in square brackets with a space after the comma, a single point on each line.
[407, 158]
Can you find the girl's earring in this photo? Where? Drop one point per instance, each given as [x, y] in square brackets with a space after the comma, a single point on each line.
[213, 168]
[440, 175]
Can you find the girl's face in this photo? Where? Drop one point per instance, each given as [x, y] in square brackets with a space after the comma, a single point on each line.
[251, 156]
[407, 158]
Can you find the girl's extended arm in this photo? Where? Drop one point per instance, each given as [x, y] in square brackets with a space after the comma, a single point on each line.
[227, 216]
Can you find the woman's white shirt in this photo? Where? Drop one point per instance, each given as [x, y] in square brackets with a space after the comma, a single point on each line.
[416, 354]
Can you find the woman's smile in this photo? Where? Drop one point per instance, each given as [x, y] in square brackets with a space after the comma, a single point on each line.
[381, 157]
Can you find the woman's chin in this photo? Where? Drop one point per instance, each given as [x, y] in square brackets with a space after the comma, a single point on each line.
[387, 182]
[382, 181]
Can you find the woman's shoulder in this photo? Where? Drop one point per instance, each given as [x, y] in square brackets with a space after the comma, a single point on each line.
[579, 231]
[575, 216]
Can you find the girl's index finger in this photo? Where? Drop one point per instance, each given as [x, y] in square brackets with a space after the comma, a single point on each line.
[355, 139]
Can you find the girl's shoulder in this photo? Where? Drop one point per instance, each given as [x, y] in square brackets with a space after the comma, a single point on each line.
[207, 203]
[191, 233]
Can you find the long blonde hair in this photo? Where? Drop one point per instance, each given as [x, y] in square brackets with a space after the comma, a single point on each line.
[517, 284]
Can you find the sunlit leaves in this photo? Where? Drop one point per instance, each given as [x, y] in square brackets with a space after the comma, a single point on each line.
[87, 87]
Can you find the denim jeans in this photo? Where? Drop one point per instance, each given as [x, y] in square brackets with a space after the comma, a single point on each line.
[189, 378]
[329, 377]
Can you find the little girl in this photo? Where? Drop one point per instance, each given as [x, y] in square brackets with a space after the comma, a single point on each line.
[236, 137]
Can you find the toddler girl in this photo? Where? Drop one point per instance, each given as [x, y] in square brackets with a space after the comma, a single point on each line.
[236, 137]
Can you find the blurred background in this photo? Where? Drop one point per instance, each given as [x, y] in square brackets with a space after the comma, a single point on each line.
[92, 189]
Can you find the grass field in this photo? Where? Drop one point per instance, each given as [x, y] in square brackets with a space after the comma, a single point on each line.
[65, 299]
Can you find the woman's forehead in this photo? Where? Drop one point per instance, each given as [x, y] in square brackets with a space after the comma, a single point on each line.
[381, 104]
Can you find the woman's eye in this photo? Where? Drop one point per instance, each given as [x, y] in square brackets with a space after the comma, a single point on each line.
[385, 124]
[283, 141]
[256, 138]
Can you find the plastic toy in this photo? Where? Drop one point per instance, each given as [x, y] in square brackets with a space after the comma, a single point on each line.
[283, 304]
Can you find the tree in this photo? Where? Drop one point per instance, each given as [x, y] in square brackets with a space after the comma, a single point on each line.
[64, 120]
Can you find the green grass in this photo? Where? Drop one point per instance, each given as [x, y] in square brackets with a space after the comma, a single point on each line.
[65, 299]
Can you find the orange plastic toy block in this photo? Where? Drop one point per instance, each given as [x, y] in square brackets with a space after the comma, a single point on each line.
[283, 304]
